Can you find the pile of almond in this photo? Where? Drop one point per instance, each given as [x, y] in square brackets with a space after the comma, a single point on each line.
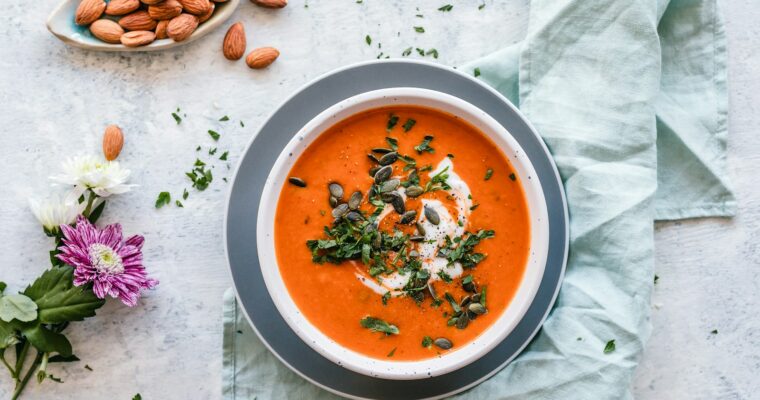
[234, 43]
[136, 23]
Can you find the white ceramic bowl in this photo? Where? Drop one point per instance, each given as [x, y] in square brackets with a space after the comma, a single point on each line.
[462, 355]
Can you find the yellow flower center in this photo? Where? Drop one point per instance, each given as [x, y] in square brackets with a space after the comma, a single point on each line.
[105, 259]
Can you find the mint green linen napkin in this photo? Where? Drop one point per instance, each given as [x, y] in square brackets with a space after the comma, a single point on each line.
[630, 96]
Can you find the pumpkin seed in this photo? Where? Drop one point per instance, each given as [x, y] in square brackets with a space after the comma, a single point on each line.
[465, 301]
[408, 217]
[355, 200]
[297, 181]
[340, 210]
[336, 190]
[414, 191]
[354, 216]
[377, 241]
[388, 197]
[373, 157]
[381, 150]
[443, 343]
[476, 308]
[373, 171]
[431, 289]
[420, 229]
[470, 287]
[333, 202]
[383, 174]
[398, 204]
[416, 238]
[388, 159]
[432, 216]
[475, 298]
[389, 185]
[463, 321]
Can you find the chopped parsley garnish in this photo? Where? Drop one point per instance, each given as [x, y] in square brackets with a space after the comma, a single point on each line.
[450, 155]
[392, 352]
[177, 117]
[474, 206]
[438, 181]
[200, 176]
[446, 8]
[434, 52]
[224, 118]
[378, 325]
[512, 176]
[393, 143]
[409, 124]
[461, 248]
[714, 331]
[425, 145]
[392, 121]
[609, 347]
[407, 52]
[242, 125]
[444, 276]
[368, 40]
[163, 199]
[427, 341]
[386, 297]
[482, 6]
[212, 151]
[223, 157]
[179, 204]
[214, 135]
[420, 51]
[419, 29]
[489, 174]
[656, 278]
[476, 72]
[185, 194]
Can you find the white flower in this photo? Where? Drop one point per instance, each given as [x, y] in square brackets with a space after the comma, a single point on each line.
[56, 211]
[87, 172]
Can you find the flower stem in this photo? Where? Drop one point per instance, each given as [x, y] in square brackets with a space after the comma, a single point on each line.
[21, 385]
[2, 356]
[90, 201]
[20, 360]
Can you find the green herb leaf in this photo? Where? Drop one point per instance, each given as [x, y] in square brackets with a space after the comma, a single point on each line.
[427, 341]
[224, 118]
[419, 29]
[476, 72]
[19, 307]
[609, 347]
[446, 8]
[392, 121]
[177, 117]
[185, 194]
[61, 359]
[392, 352]
[368, 40]
[179, 204]
[378, 325]
[385, 298]
[407, 52]
[163, 199]
[393, 143]
[58, 300]
[137, 397]
[3, 285]
[489, 174]
[409, 124]
[425, 145]
[432, 52]
[46, 340]
[482, 6]
[714, 331]
[223, 157]
[420, 51]
[512, 176]
[214, 135]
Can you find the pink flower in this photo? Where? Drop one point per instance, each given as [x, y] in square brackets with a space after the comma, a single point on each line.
[103, 257]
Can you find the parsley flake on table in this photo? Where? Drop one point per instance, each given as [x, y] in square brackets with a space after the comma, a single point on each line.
[224, 118]
[609, 347]
[476, 72]
[407, 52]
[223, 157]
[446, 8]
[368, 40]
[419, 29]
[163, 199]
[214, 135]
[432, 52]
[177, 117]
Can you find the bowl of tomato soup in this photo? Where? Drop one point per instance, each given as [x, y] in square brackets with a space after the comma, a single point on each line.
[402, 233]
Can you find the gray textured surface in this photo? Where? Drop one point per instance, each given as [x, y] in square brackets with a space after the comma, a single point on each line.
[56, 101]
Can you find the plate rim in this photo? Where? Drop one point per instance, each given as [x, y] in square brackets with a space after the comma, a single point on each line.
[495, 93]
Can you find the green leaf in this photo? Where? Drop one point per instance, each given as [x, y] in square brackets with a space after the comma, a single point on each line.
[17, 306]
[2, 287]
[446, 8]
[7, 335]
[59, 300]
[60, 358]
[46, 340]
[419, 29]
[378, 325]
[163, 199]
[137, 397]
[214, 135]
[609, 347]
[95, 214]
[427, 341]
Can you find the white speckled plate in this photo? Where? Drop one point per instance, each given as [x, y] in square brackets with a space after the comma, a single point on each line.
[61, 24]
[245, 196]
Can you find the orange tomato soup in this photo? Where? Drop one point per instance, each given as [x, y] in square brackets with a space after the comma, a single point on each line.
[333, 298]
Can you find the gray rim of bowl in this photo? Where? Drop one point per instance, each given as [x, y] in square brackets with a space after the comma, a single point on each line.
[244, 196]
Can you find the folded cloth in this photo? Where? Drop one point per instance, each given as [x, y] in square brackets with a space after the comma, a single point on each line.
[630, 96]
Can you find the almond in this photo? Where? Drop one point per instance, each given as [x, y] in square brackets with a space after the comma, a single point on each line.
[113, 141]
[121, 7]
[181, 27]
[197, 7]
[137, 38]
[151, 2]
[165, 10]
[233, 46]
[161, 29]
[262, 57]
[107, 30]
[270, 3]
[203, 18]
[138, 21]
[89, 11]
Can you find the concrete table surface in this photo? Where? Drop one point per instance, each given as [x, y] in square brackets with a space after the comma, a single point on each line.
[56, 100]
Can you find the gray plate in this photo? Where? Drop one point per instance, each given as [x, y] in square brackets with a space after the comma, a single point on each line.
[243, 203]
